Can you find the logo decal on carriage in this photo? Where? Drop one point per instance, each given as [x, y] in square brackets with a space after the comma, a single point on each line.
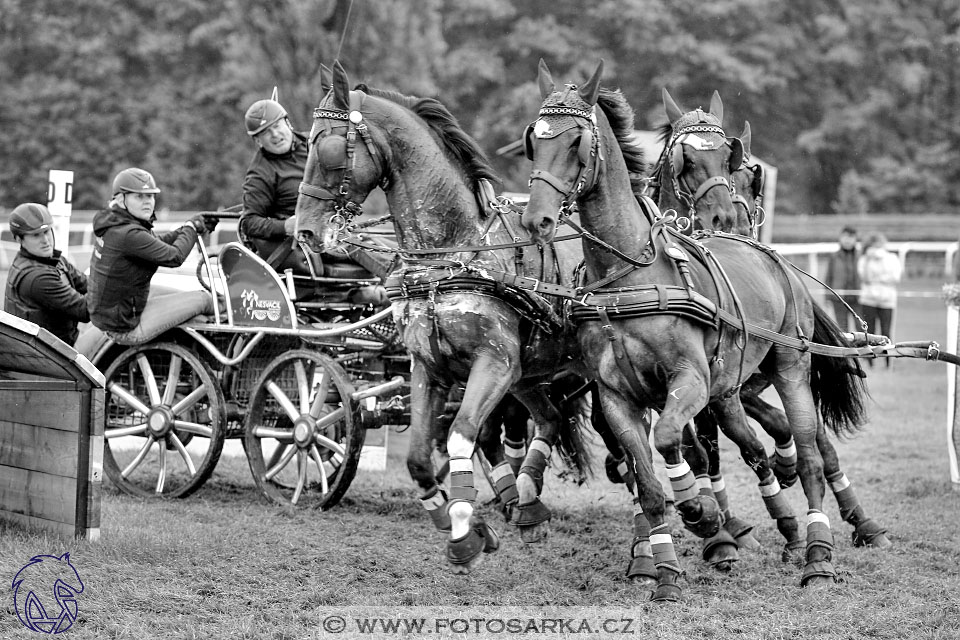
[259, 309]
[45, 594]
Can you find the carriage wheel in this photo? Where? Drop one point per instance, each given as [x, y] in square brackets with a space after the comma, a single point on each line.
[165, 421]
[301, 438]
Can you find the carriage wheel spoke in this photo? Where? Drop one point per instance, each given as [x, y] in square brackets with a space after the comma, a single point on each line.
[283, 435]
[182, 450]
[277, 468]
[162, 474]
[336, 447]
[144, 450]
[301, 476]
[334, 416]
[315, 454]
[322, 382]
[173, 378]
[303, 386]
[120, 432]
[128, 399]
[188, 401]
[282, 399]
[193, 427]
[152, 391]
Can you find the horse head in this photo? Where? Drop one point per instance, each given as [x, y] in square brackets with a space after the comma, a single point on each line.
[344, 164]
[571, 165]
[697, 158]
[747, 185]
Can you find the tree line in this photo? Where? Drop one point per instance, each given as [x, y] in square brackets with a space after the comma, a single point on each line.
[856, 102]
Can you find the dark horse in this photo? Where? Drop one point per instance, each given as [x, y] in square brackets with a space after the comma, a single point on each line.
[457, 304]
[694, 142]
[679, 330]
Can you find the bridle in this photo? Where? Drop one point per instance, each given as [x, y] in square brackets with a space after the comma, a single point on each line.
[757, 216]
[346, 208]
[673, 155]
[589, 153]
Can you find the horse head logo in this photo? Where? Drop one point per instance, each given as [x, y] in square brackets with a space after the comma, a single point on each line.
[45, 594]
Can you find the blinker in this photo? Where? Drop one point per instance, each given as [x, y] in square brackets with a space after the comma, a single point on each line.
[332, 153]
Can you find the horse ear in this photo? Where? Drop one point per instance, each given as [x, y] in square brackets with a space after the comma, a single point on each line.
[545, 80]
[325, 75]
[341, 87]
[673, 111]
[591, 89]
[745, 138]
[716, 105]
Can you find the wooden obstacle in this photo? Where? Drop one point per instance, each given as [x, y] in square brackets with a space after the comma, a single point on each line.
[51, 432]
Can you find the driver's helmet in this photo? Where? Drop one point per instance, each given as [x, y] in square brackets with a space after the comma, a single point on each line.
[29, 218]
[262, 115]
[134, 180]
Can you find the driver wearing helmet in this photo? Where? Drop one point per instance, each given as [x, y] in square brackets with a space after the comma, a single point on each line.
[42, 286]
[127, 252]
[270, 186]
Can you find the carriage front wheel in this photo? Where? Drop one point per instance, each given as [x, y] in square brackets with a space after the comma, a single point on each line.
[165, 421]
[302, 441]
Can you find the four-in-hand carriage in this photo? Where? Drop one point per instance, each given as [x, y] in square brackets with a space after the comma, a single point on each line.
[298, 367]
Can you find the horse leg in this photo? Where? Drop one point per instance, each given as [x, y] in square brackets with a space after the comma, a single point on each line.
[532, 517]
[652, 552]
[774, 423]
[687, 395]
[502, 476]
[701, 450]
[426, 402]
[490, 378]
[514, 417]
[866, 531]
[792, 382]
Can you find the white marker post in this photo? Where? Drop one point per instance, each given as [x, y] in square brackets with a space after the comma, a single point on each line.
[60, 204]
[953, 415]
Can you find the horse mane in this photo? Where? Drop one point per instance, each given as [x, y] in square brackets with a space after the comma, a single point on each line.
[461, 147]
[620, 114]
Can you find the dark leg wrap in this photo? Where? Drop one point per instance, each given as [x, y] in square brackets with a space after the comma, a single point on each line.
[514, 451]
[641, 553]
[709, 520]
[721, 549]
[737, 527]
[870, 534]
[534, 464]
[668, 567]
[784, 467]
[819, 553]
[618, 471]
[505, 483]
[435, 503]
[479, 539]
[528, 515]
[461, 483]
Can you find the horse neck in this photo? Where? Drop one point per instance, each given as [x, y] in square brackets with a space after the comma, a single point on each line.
[432, 206]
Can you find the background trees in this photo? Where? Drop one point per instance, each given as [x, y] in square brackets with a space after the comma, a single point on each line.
[856, 102]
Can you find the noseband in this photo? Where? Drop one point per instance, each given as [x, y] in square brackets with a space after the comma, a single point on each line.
[346, 208]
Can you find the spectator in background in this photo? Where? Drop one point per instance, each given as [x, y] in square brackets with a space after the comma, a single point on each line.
[842, 277]
[880, 272]
[42, 286]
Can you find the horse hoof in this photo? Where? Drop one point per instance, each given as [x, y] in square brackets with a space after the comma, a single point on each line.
[721, 551]
[643, 572]
[666, 593]
[536, 533]
[869, 534]
[741, 532]
[464, 553]
[818, 573]
[748, 542]
[708, 523]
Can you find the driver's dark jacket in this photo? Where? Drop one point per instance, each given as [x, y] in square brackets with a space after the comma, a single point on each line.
[48, 292]
[270, 190]
[126, 254]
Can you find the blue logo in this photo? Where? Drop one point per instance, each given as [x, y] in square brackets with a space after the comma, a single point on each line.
[45, 594]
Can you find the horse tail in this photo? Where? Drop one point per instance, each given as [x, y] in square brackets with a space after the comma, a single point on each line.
[573, 444]
[837, 383]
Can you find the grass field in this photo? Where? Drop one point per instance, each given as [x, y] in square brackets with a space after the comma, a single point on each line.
[225, 564]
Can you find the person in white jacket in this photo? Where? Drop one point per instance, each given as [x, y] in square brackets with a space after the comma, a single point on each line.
[880, 272]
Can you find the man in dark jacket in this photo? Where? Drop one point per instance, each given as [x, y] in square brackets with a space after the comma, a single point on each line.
[271, 184]
[42, 286]
[127, 253]
[842, 277]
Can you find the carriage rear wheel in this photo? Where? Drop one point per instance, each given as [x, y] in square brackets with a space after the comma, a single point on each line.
[302, 440]
[165, 421]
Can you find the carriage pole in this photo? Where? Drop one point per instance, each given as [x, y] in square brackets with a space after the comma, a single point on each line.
[953, 400]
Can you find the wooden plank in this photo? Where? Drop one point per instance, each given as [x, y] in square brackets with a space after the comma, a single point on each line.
[63, 529]
[46, 384]
[41, 408]
[39, 449]
[42, 495]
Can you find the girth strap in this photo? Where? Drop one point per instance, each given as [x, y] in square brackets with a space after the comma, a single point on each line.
[620, 353]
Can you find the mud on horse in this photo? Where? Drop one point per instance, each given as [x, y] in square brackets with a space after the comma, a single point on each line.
[460, 315]
[677, 325]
